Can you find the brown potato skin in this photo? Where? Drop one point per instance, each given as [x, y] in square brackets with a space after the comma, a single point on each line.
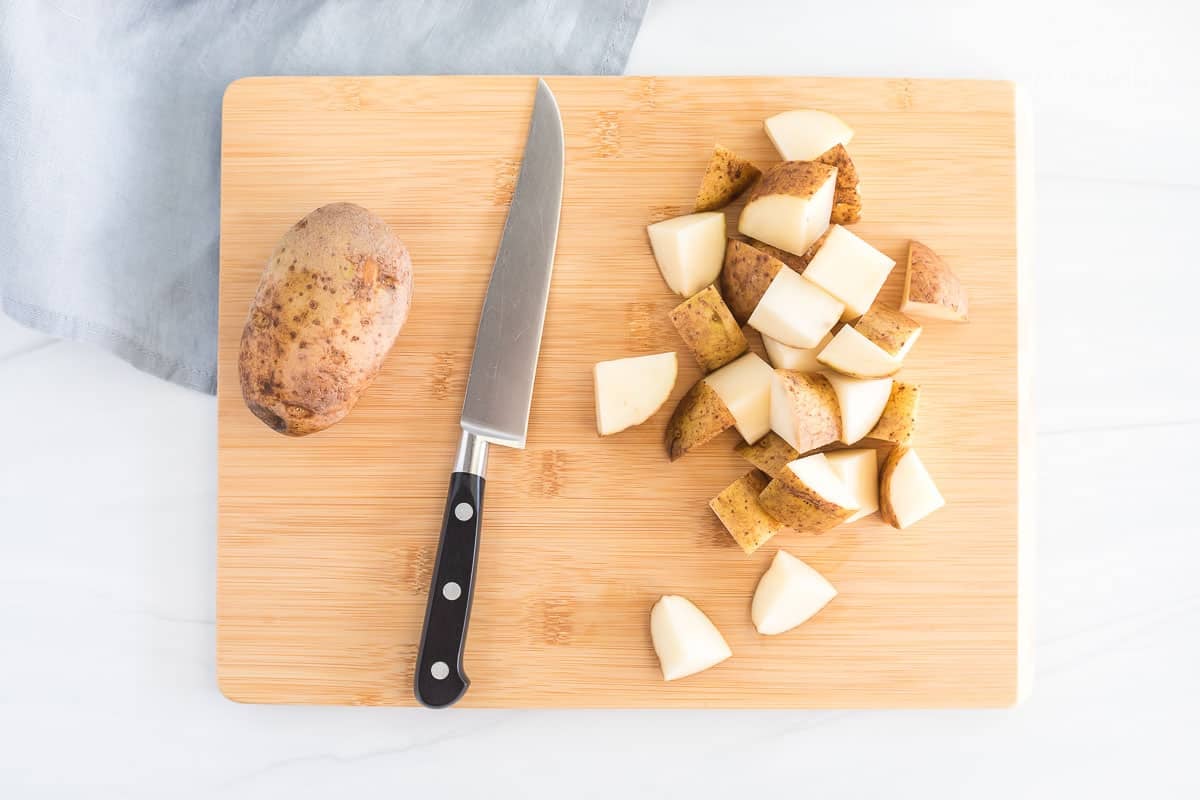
[770, 453]
[836, 156]
[899, 418]
[797, 263]
[888, 328]
[847, 202]
[331, 301]
[799, 178]
[745, 277]
[813, 400]
[708, 328]
[847, 207]
[793, 503]
[700, 417]
[886, 510]
[930, 280]
[726, 176]
[742, 515]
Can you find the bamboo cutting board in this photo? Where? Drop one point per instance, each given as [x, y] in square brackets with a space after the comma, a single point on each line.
[326, 543]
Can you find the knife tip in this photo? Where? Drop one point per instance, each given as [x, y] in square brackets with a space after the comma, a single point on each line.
[543, 90]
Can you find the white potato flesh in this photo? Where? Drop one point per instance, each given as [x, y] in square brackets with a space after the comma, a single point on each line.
[744, 386]
[806, 133]
[851, 353]
[630, 390]
[684, 638]
[689, 250]
[798, 359]
[850, 269]
[787, 221]
[795, 311]
[817, 474]
[859, 470]
[789, 593]
[911, 491]
[861, 403]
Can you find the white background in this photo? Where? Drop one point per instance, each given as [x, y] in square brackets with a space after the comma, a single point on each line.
[107, 495]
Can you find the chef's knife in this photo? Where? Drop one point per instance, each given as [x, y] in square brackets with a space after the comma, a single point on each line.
[499, 392]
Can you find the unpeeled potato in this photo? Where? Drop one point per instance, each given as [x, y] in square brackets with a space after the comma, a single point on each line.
[330, 303]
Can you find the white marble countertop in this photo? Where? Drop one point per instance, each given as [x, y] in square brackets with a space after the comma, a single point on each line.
[107, 496]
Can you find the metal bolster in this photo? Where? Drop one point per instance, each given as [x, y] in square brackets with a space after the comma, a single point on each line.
[472, 454]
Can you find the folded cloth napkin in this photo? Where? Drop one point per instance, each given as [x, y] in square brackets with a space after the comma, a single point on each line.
[109, 137]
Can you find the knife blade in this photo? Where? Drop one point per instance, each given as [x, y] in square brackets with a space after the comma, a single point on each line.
[499, 395]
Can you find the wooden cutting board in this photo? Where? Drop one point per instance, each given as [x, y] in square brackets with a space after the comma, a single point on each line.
[326, 543]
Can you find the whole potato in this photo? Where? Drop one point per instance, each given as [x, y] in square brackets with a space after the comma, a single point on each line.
[330, 303]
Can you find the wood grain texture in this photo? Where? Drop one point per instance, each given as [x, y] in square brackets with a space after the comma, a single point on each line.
[326, 543]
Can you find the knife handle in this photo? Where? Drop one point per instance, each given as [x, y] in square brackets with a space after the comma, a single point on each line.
[440, 679]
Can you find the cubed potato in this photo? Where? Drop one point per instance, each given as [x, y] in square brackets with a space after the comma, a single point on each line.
[738, 509]
[727, 176]
[770, 453]
[708, 328]
[809, 496]
[790, 205]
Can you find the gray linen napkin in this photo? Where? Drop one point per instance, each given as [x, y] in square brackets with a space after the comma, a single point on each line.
[109, 137]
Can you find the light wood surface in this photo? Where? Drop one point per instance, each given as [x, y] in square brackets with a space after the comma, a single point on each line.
[325, 544]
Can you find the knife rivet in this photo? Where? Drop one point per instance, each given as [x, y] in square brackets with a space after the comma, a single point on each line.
[451, 591]
[439, 670]
[464, 511]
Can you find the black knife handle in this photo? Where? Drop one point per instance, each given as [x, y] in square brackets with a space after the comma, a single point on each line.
[440, 680]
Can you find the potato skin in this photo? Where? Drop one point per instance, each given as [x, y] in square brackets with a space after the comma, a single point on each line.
[770, 453]
[331, 301]
[790, 259]
[929, 280]
[888, 328]
[797, 263]
[745, 277]
[886, 509]
[798, 178]
[738, 509]
[727, 176]
[847, 202]
[814, 403]
[709, 330]
[847, 207]
[794, 503]
[836, 156]
[700, 416]
[899, 418]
